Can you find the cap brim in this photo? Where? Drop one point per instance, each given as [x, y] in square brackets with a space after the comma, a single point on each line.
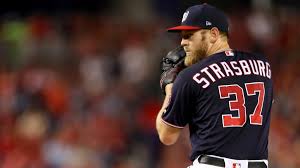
[182, 27]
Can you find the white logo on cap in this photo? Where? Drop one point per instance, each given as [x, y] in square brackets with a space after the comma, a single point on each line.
[208, 23]
[185, 15]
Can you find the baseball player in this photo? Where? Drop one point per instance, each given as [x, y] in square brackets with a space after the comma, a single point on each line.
[224, 95]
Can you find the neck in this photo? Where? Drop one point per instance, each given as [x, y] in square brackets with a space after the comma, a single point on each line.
[218, 47]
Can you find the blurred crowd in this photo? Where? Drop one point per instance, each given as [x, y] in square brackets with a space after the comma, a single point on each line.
[81, 90]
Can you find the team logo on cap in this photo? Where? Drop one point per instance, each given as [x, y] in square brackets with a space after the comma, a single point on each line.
[208, 23]
[185, 15]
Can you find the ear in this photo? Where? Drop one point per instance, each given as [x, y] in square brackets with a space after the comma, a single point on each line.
[214, 34]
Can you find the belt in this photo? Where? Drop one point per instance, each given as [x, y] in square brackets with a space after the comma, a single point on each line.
[219, 162]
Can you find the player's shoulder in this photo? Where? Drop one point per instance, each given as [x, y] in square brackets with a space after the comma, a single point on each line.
[187, 73]
[249, 55]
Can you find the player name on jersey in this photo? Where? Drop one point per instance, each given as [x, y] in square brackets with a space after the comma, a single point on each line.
[216, 71]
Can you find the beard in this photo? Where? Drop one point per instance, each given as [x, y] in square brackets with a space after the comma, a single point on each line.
[197, 55]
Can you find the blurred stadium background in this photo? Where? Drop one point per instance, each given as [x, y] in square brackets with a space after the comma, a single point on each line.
[79, 80]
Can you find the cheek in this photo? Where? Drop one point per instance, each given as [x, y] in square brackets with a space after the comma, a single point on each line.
[198, 45]
[195, 45]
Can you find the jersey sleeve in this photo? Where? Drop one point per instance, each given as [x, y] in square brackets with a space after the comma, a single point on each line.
[178, 112]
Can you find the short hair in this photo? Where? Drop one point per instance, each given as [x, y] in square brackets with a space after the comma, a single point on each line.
[224, 34]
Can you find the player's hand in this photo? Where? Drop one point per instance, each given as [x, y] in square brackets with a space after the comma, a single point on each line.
[171, 65]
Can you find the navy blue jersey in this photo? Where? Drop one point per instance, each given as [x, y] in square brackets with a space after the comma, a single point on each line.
[226, 99]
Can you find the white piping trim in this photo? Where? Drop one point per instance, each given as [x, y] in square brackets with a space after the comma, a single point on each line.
[171, 124]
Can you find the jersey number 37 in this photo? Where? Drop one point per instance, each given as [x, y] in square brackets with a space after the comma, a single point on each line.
[238, 104]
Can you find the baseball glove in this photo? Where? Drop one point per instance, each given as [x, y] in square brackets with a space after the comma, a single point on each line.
[171, 65]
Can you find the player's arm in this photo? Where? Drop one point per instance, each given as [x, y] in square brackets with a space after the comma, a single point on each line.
[168, 135]
[171, 65]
